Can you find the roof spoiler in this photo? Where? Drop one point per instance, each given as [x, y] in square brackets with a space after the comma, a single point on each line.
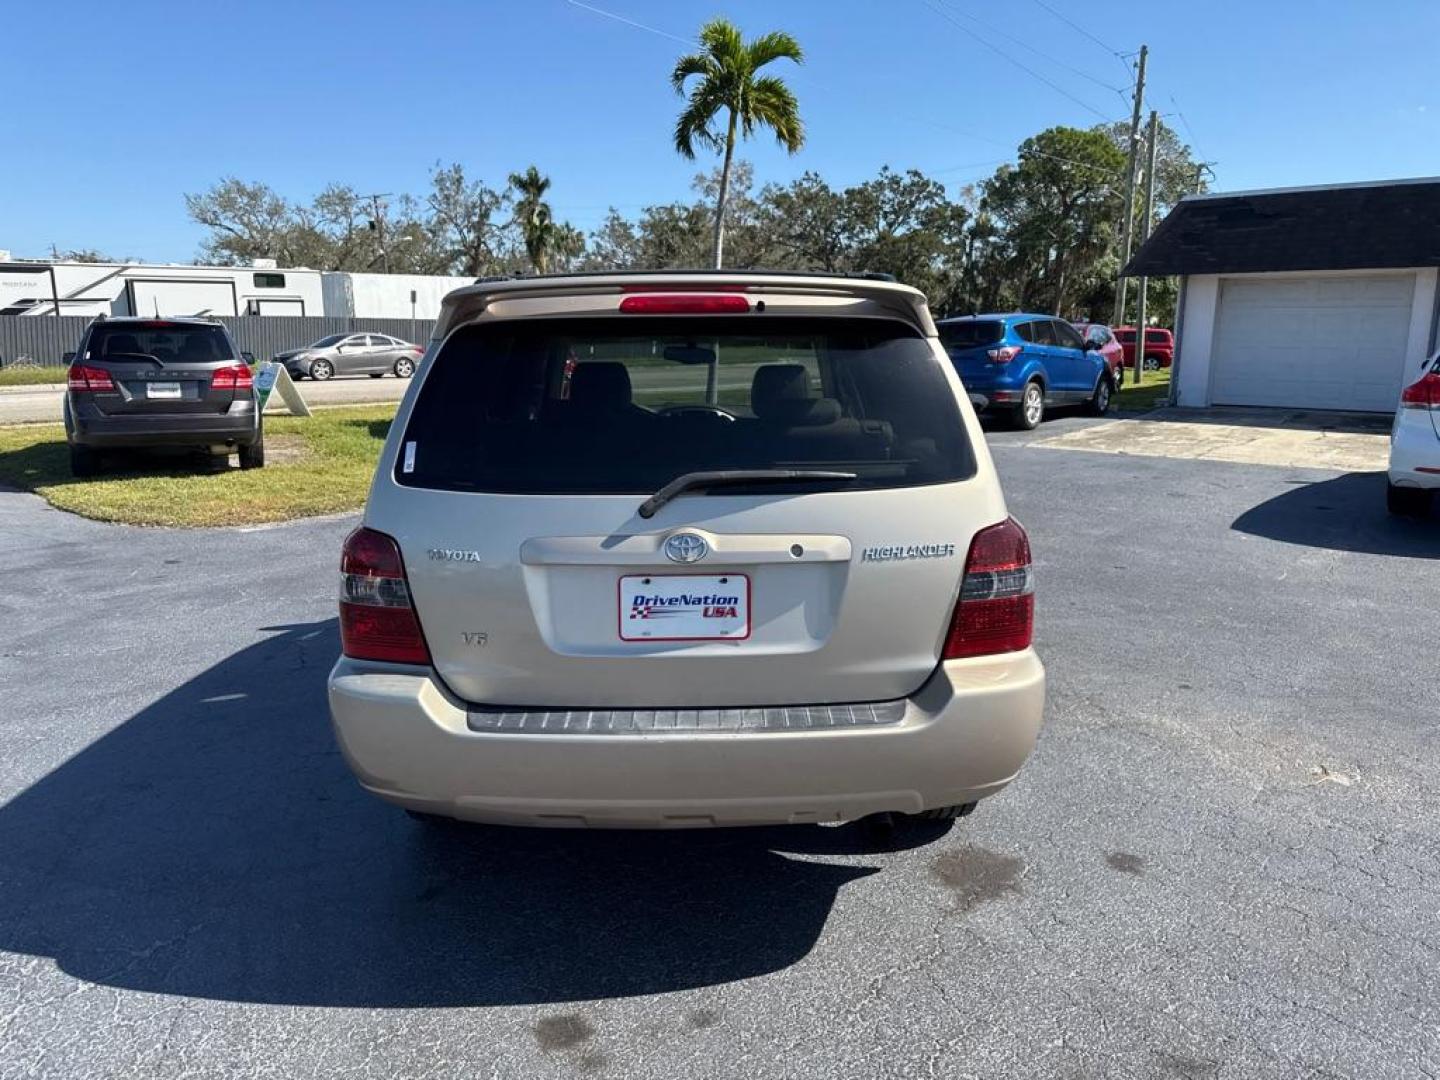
[879, 292]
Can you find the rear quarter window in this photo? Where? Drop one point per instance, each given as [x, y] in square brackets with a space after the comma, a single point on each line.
[623, 406]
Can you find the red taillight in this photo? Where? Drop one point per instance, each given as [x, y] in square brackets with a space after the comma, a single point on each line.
[377, 619]
[82, 379]
[996, 609]
[1003, 355]
[234, 377]
[1424, 394]
[685, 304]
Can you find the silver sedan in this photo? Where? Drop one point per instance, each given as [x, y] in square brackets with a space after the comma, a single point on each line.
[352, 354]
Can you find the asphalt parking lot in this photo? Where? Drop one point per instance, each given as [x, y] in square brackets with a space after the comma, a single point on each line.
[1223, 861]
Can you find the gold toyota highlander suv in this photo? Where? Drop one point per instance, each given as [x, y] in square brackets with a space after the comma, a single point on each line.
[686, 549]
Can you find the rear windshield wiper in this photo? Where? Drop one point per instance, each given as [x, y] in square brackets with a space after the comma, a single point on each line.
[694, 481]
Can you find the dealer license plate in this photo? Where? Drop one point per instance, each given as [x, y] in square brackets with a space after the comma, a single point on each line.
[685, 607]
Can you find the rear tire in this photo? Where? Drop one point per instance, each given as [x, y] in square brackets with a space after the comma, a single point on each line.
[1099, 403]
[253, 456]
[1408, 501]
[946, 813]
[404, 368]
[84, 461]
[320, 370]
[1031, 409]
[1152, 363]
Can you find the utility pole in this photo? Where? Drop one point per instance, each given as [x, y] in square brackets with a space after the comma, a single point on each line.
[378, 223]
[1145, 235]
[1134, 161]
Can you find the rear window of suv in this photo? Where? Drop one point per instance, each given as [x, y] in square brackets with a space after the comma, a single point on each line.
[971, 333]
[166, 342]
[612, 406]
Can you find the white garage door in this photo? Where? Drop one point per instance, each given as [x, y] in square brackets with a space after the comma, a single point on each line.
[1312, 342]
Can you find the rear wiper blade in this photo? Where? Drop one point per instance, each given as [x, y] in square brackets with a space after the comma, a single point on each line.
[694, 481]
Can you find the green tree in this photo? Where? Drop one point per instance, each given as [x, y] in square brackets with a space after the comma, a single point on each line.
[807, 224]
[904, 224]
[747, 243]
[462, 224]
[615, 245]
[1053, 215]
[249, 221]
[532, 213]
[727, 81]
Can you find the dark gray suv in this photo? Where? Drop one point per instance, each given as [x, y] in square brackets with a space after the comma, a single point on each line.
[141, 383]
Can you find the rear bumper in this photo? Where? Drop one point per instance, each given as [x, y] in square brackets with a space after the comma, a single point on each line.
[1415, 450]
[87, 426]
[963, 736]
[996, 395]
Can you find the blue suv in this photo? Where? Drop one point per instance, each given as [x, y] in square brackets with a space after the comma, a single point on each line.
[1022, 364]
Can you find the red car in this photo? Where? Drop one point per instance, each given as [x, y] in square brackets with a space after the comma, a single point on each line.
[1159, 347]
[1103, 340]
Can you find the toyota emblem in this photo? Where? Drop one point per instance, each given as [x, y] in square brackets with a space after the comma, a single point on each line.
[685, 548]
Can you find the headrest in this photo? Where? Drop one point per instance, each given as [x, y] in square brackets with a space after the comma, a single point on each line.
[781, 392]
[600, 386]
[121, 343]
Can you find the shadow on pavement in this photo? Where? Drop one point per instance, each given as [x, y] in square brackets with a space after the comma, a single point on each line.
[1346, 513]
[214, 845]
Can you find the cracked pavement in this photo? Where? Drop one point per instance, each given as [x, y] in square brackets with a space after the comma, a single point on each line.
[1223, 860]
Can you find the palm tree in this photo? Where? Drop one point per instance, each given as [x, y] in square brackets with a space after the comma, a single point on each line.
[728, 82]
[532, 213]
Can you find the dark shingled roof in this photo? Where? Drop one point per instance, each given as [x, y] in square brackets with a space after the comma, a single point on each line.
[1351, 227]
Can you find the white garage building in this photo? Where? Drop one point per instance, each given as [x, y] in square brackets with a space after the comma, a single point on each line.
[1301, 298]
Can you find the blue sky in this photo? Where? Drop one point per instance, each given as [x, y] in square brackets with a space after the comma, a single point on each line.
[114, 111]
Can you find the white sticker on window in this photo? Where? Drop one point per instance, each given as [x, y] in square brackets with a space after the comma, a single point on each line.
[409, 464]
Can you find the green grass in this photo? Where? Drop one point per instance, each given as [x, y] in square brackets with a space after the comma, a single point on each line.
[317, 465]
[31, 375]
[1154, 388]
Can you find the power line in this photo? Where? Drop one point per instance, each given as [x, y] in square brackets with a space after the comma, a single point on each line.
[1077, 28]
[968, 165]
[1006, 142]
[1044, 56]
[945, 14]
[1188, 129]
